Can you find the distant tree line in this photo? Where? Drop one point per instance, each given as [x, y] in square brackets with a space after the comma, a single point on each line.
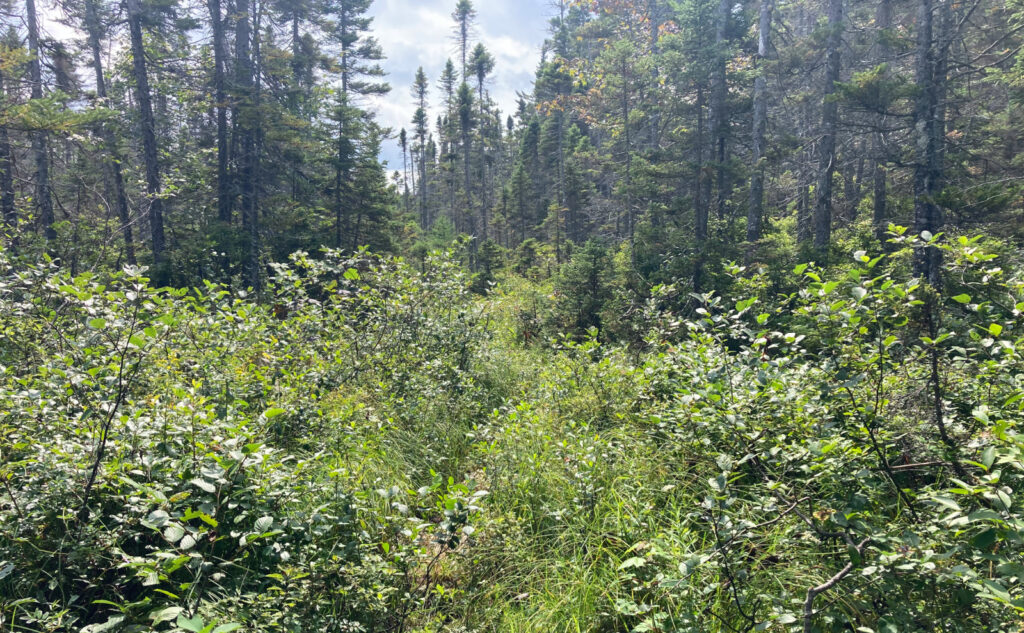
[700, 131]
[207, 141]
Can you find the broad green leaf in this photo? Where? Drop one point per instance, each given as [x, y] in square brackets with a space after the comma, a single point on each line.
[630, 563]
[204, 485]
[996, 590]
[949, 503]
[174, 533]
[988, 457]
[158, 518]
[1004, 499]
[195, 624]
[165, 614]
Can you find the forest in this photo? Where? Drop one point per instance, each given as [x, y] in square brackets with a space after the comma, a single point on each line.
[716, 327]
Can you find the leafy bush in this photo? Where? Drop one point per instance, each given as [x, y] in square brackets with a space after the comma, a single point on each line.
[372, 447]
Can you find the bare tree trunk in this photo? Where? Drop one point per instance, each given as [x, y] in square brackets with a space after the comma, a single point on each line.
[879, 175]
[851, 192]
[338, 184]
[223, 150]
[341, 172]
[927, 124]
[149, 148]
[702, 184]
[719, 92]
[755, 210]
[701, 195]
[805, 209]
[424, 217]
[467, 152]
[405, 170]
[8, 211]
[245, 112]
[484, 202]
[296, 91]
[252, 208]
[804, 215]
[40, 138]
[630, 229]
[95, 31]
[829, 124]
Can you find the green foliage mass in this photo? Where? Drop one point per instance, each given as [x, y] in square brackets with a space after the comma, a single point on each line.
[377, 447]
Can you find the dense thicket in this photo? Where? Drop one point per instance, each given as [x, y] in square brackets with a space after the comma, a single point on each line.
[379, 450]
[568, 369]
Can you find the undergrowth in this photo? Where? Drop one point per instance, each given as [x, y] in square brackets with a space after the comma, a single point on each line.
[372, 447]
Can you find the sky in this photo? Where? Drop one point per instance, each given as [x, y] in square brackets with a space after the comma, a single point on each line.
[418, 33]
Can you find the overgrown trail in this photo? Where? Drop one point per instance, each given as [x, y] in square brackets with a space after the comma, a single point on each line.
[380, 447]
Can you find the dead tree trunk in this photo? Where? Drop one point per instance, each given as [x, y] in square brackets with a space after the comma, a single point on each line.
[116, 175]
[755, 210]
[40, 138]
[829, 125]
[150, 155]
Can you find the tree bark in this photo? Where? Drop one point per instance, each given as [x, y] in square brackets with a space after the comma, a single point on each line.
[424, 217]
[467, 153]
[116, 175]
[40, 138]
[341, 172]
[252, 206]
[224, 197]
[719, 93]
[701, 195]
[8, 211]
[149, 148]
[879, 175]
[829, 124]
[755, 210]
[928, 129]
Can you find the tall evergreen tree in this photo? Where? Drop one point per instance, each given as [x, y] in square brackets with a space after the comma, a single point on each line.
[421, 127]
[464, 15]
[360, 76]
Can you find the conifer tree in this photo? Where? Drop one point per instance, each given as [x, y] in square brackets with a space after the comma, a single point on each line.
[421, 127]
[464, 15]
[360, 76]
